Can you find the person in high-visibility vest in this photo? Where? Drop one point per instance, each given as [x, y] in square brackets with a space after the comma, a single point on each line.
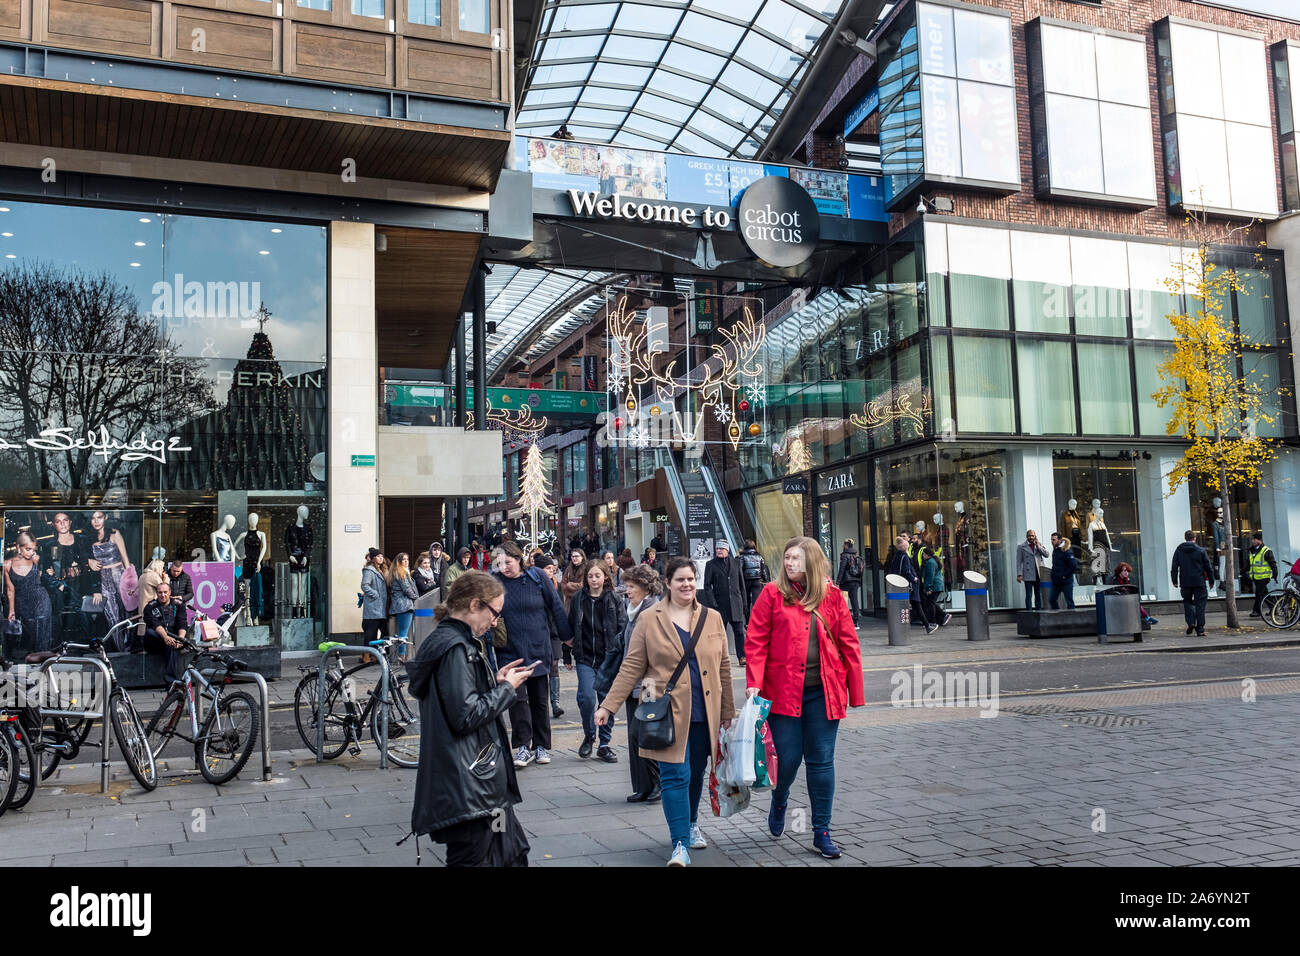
[1263, 568]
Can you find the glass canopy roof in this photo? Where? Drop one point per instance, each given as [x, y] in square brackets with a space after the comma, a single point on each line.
[709, 77]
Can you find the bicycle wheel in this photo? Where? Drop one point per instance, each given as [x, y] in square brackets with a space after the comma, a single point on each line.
[227, 737]
[8, 771]
[305, 702]
[1266, 606]
[403, 724]
[131, 737]
[162, 725]
[1285, 611]
[28, 769]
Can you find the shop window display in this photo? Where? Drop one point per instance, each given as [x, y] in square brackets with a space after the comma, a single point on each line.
[1206, 520]
[1096, 505]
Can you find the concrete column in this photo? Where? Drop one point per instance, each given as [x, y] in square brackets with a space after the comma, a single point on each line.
[1031, 496]
[1163, 520]
[353, 429]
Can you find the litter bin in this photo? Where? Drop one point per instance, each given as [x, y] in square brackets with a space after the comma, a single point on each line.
[423, 623]
[898, 608]
[1119, 613]
[977, 606]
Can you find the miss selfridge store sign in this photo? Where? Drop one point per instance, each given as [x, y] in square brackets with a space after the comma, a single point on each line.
[776, 218]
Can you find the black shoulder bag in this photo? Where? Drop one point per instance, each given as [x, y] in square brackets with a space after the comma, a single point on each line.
[655, 719]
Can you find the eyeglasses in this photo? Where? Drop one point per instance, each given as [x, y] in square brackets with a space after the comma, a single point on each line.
[495, 612]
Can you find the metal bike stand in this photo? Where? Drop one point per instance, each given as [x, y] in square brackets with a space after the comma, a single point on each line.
[248, 677]
[105, 742]
[382, 744]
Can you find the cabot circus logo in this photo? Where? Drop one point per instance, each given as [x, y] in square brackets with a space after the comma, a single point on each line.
[778, 221]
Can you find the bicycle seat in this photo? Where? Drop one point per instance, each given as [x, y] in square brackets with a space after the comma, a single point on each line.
[329, 645]
[39, 657]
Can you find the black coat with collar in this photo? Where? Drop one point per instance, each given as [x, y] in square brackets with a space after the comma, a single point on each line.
[724, 588]
[461, 706]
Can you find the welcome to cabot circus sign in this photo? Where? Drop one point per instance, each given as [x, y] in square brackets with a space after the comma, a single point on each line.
[776, 219]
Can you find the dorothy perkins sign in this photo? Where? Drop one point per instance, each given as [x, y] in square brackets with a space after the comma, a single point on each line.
[776, 218]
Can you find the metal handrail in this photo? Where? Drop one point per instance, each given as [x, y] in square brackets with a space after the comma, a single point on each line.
[382, 656]
[105, 742]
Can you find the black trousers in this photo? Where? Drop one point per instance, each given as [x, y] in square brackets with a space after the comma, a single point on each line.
[530, 715]
[1261, 591]
[738, 638]
[752, 590]
[487, 842]
[854, 590]
[1194, 606]
[645, 773]
[373, 628]
[175, 666]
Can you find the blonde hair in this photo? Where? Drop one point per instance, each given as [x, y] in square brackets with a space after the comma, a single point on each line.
[817, 572]
[156, 566]
[393, 570]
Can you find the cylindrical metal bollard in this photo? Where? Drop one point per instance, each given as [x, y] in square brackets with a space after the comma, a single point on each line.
[898, 608]
[977, 606]
[1045, 591]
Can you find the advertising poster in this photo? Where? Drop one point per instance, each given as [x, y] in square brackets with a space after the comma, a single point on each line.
[742, 174]
[638, 173]
[557, 164]
[65, 568]
[694, 179]
[867, 198]
[214, 585]
[829, 190]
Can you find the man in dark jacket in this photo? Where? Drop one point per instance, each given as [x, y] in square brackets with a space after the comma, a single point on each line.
[754, 570]
[724, 591]
[1190, 570]
[901, 564]
[465, 786]
[164, 629]
[1262, 568]
[182, 587]
[533, 610]
[1064, 567]
[849, 577]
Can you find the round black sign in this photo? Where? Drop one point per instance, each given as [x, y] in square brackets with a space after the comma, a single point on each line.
[778, 221]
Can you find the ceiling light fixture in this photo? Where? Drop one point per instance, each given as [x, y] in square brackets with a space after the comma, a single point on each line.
[263, 252]
[145, 219]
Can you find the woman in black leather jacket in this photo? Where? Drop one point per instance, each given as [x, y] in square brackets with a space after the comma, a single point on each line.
[465, 786]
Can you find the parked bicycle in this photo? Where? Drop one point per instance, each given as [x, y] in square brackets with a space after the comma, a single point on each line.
[1281, 608]
[224, 738]
[22, 772]
[346, 718]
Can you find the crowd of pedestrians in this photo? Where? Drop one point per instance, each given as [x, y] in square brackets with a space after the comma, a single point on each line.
[504, 636]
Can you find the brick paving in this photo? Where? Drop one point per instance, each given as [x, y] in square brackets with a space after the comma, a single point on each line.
[1205, 779]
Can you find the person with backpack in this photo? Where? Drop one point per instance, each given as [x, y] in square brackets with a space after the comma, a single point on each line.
[597, 619]
[849, 578]
[753, 570]
[532, 611]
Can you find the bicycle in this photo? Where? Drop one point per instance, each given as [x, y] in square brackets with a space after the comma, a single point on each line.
[1281, 608]
[8, 769]
[344, 721]
[128, 728]
[23, 769]
[224, 739]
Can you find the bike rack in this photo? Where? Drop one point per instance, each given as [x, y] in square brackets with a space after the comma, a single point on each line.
[242, 677]
[381, 655]
[105, 743]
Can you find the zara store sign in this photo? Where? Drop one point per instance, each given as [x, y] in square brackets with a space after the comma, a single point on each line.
[776, 218]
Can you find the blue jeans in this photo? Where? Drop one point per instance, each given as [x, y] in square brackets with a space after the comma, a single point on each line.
[587, 705]
[1065, 588]
[404, 623]
[810, 737]
[682, 783]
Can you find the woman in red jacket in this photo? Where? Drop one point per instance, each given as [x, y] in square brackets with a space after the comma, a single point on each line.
[811, 683]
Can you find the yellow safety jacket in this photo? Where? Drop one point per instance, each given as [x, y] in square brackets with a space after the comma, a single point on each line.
[1259, 569]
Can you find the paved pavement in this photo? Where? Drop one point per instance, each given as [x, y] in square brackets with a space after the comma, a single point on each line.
[1184, 775]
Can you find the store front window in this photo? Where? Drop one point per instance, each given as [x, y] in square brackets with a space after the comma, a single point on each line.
[1097, 513]
[162, 386]
[1207, 516]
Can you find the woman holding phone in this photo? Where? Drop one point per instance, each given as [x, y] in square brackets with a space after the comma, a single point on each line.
[465, 787]
[680, 631]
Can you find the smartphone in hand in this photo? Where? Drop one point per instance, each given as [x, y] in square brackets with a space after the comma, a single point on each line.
[534, 665]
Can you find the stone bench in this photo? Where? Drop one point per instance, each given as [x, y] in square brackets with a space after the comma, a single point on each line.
[146, 670]
[1068, 622]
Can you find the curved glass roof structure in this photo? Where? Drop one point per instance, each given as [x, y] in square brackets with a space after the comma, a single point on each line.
[709, 77]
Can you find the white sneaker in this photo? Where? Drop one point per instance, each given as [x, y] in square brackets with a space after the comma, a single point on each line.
[680, 857]
[524, 757]
[697, 838]
[543, 756]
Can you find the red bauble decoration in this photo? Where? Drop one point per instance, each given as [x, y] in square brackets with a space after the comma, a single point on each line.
[744, 405]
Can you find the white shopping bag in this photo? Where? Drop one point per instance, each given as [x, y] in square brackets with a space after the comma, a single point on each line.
[738, 757]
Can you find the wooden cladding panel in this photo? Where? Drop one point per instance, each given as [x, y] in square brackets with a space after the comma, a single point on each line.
[11, 18]
[216, 38]
[116, 26]
[448, 68]
[328, 53]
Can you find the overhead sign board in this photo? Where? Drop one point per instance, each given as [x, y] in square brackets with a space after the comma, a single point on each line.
[778, 221]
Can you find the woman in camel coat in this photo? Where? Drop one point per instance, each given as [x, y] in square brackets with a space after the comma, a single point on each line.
[702, 698]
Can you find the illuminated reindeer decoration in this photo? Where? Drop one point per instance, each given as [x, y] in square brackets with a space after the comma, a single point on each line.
[730, 369]
[518, 423]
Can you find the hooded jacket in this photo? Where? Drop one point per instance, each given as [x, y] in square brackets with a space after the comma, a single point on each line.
[1191, 566]
[465, 770]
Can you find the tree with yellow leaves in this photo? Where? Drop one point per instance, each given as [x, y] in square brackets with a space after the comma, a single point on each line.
[1214, 405]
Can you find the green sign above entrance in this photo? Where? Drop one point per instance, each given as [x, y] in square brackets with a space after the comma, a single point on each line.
[363, 461]
[540, 401]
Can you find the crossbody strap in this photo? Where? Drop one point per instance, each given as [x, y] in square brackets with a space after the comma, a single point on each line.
[690, 649]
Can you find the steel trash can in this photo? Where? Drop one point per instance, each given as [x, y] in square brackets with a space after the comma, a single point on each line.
[977, 605]
[898, 608]
[1119, 613]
